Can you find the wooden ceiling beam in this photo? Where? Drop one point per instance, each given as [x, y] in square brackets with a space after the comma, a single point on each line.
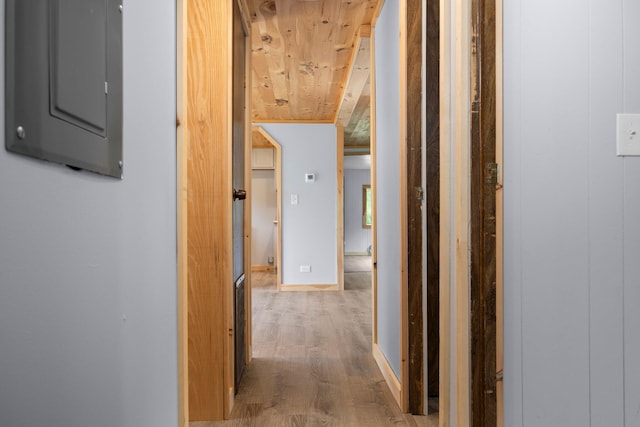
[357, 77]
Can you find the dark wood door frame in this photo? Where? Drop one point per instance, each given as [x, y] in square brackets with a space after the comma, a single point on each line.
[432, 193]
[483, 225]
[423, 160]
[414, 201]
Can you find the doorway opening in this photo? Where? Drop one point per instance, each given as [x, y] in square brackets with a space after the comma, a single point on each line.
[266, 203]
[221, 226]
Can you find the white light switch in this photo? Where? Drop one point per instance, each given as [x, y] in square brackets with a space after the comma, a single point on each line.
[294, 199]
[305, 269]
[628, 135]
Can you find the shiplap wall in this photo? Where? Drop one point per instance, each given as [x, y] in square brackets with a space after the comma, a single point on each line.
[572, 214]
[308, 228]
[88, 302]
[387, 57]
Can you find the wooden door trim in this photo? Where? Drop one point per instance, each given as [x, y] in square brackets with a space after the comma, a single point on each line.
[181, 200]
[246, 20]
[431, 176]
[373, 180]
[483, 221]
[404, 228]
[414, 202]
[500, 210]
[455, 194]
[340, 205]
[462, 143]
[446, 162]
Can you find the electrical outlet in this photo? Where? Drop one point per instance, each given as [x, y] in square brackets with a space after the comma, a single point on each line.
[628, 135]
[305, 269]
[294, 199]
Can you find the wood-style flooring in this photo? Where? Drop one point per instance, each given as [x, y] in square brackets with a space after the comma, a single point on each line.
[312, 363]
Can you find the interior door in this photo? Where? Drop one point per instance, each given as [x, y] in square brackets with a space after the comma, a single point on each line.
[239, 118]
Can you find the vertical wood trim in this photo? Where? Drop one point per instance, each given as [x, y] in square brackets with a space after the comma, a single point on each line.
[278, 213]
[182, 201]
[432, 191]
[446, 139]
[374, 216]
[278, 149]
[210, 268]
[248, 152]
[404, 312]
[499, 213]
[228, 367]
[483, 220]
[340, 204]
[415, 319]
[462, 147]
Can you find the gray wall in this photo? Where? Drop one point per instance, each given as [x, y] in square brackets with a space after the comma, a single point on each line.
[88, 263]
[309, 235]
[572, 236]
[387, 54]
[263, 212]
[356, 238]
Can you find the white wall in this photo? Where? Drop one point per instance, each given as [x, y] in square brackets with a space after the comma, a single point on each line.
[309, 235]
[263, 213]
[356, 238]
[387, 59]
[572, 236]
[88, 263]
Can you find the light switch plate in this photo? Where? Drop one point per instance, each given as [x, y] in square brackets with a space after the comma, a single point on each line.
[628, 135]
[305, 269]
[294, 199]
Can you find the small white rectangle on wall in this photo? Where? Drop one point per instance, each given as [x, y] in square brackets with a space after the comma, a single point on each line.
[305, 269]
[628, 135]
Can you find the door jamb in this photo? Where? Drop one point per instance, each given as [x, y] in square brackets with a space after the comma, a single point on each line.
[181, 237]
[454, 205]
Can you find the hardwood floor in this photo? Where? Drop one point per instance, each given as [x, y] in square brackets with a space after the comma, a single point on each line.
[312, 363]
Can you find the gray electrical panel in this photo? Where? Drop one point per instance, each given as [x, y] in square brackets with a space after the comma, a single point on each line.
[64, 82]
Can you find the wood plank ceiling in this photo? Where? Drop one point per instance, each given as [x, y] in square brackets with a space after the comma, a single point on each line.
[302, 51]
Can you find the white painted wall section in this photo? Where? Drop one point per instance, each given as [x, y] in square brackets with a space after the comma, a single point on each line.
[387, 63]
[572, 239]
[309, 228]
[88, 301]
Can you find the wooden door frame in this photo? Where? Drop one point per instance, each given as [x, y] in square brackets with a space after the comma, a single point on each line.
[484, 187]
[207, 118]
[182, 199]
[455, 197]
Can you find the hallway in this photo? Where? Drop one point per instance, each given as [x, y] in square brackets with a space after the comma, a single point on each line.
[312, 362]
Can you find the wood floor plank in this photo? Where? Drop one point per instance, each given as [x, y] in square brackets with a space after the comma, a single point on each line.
[312, 363]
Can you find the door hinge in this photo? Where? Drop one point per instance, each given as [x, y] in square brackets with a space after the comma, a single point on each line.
[419, 192]
[492, 173]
